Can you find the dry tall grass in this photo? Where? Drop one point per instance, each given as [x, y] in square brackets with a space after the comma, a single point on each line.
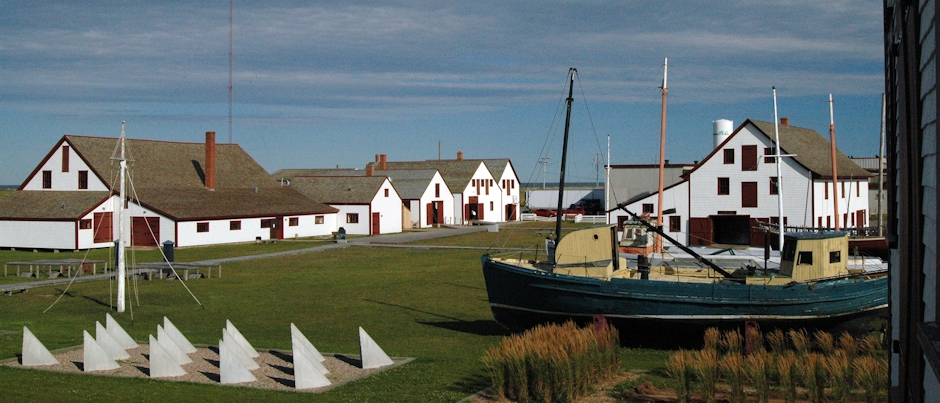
[553, 363]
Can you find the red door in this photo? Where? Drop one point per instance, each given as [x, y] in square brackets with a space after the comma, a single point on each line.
[145, 231]
[510, 212]
[277, 228]
[376, 228]
[700, 231]
[103, 225]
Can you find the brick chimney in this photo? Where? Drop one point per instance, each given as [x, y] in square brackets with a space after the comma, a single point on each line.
[370, 169]
[383, 162]
[210, 161]
[459, 155]
[785, 121]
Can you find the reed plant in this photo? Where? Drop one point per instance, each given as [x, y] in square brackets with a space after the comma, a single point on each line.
[732, 368]
[706, 370]
[871, 344]
[824, 341]
[753, 340]
[759, 367]
[712, 339]
[871, 375]
[814, 376]
[777, 340]
[680, 369]
[849, 344]
[840, 375]
[799, 339]
[552, 363]
[732, 342]
[788, 372]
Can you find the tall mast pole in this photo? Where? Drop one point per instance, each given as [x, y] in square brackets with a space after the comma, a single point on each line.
[881, 168]
[607, 182]
[779, 155]
[231, 4]
[835, 169]
[658, 248]
[564, 156]
[122, 270]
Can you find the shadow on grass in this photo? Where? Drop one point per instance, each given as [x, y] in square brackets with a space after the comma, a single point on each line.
[411, 309]
[97, 301]
[477, 327]
[471, 384]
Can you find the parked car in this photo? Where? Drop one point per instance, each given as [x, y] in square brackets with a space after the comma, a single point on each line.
[575, 210]
[544, 212]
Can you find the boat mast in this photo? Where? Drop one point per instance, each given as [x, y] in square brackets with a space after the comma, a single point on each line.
[658, 248]
[881, 167]
[122, 270]
[835, 169]
[231, 5]
[780, 226]
[607, 182]
[564, 155]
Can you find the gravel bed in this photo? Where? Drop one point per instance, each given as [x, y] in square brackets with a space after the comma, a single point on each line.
[276, 372]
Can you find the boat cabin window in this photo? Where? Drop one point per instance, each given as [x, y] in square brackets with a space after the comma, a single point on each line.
[835, 256]
[789, 250]
[805, 257]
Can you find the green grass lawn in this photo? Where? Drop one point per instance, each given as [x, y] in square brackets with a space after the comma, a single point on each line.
[428, 304]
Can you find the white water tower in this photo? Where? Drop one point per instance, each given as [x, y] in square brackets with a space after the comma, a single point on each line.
[721, 130]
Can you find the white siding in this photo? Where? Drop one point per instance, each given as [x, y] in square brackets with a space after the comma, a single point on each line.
[38, 234]
[512, 196]
[361, 228]
[676, 197]
[64, 180]
[488, 195]
[389, 209]
[797, 187]
[419, 210]
[848, 202]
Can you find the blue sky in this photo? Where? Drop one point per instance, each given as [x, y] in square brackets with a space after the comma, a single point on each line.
[321, 84]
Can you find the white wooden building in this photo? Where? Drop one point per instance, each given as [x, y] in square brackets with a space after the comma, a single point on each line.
[478, 193]
[187, 193]
[723, 197]
[368, 205]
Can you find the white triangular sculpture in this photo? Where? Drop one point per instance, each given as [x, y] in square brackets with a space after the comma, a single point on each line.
[161, 364]
[118, 333]
[238, 352]
[231, 369]
[372, 355]
[178, 337]
[34, 352]
[108, 344]
[297, 345]
[94, 357]
[306, 373]
[241, 340]
[295, 332]
[171, 348]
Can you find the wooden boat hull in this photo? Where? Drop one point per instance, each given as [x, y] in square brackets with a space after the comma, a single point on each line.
[521, 297]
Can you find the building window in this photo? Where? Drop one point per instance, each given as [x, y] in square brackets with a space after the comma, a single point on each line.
[491, 206]
[842, 185]
[487, 186]
[84, 224]
[748, 158]
[234, 225]
[724, 186]
[675, 223]
[858, 189]
[769, 151]
[294, 221]
[65, 158]
[352, 218]
[773, 185]
[826, 191]
[835, 256]
[805, 258]
[647, 208]
[729, 156]
[47, 179]
[437, 190]
[202, 227]
[748, 194]
[318, 219]
[267, 223]
[83, 179]
[386, 192]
